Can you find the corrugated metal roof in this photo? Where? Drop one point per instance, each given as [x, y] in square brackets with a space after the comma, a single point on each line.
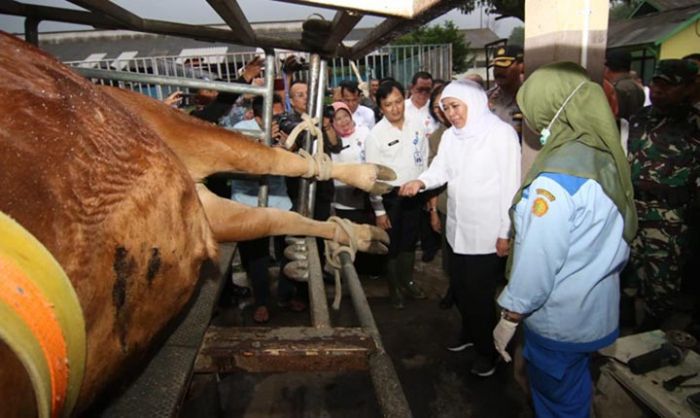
[664, 5]
[75, 46]
[478, 38]
[650, 28]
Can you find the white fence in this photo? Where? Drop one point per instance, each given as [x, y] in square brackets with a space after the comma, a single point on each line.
[397, 61]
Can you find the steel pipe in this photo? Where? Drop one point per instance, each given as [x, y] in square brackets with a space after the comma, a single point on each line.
[386, 382]
[164, 80]
[317, 291]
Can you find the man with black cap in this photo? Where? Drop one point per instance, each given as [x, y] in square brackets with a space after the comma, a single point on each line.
[664, 153]
[630, 95]
[508, 71]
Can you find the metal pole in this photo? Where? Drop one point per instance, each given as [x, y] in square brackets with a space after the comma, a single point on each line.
[184, 82]
[317, 290]
[305, 204]
[263, 192]
[386, 382]
[318, 114]
[31, 30]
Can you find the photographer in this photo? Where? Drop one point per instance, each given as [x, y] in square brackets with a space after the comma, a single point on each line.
[298, 95]
[220, 103]
[255, 254]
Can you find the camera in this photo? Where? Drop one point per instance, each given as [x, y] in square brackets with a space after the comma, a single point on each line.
[328, 112]
[287, 121]
[290, 64]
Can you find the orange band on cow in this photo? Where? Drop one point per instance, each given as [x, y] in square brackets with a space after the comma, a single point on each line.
[19, 292]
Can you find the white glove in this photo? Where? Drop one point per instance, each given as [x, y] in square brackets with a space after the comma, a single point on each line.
[502, 335]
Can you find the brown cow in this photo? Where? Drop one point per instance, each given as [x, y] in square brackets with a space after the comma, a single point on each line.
[110, 182]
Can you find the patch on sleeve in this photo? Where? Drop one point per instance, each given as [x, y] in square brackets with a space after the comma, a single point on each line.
[539, 207]
[547, 194]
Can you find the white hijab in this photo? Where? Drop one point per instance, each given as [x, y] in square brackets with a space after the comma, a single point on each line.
[479, 116]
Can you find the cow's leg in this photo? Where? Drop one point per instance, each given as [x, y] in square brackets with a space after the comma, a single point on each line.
[232, 221]
[206, 149]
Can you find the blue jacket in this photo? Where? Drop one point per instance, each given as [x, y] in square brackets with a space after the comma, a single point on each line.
[568, 255]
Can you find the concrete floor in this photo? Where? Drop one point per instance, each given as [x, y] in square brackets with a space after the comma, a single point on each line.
[437, 382]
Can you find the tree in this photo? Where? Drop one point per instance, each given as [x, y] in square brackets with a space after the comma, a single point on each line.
[502, 8]
[622, 9]
[448, 33]
[517, 36]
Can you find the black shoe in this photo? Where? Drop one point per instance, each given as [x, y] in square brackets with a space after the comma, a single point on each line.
[459, 346]
[483, 366]
[429, 256]
[448, 300]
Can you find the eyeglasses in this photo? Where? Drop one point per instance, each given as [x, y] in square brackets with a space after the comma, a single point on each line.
[424, 90]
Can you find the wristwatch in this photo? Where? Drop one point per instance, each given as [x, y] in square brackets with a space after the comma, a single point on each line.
[431, 209]
[509, 316]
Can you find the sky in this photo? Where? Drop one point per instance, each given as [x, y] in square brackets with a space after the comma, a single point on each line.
[199, 12]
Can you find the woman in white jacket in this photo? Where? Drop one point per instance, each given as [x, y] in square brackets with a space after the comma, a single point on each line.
[479, 159]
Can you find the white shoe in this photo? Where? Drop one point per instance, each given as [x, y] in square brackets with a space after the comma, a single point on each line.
[459, 347]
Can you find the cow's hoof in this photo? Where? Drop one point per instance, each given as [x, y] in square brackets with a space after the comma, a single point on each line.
[371, 239]
[385, 173]
[381, 188]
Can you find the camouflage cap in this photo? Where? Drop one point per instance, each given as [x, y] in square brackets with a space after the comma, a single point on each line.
[505, 56]
[676, 71]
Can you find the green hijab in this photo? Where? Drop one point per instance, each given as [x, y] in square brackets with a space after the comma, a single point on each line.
[584, 140]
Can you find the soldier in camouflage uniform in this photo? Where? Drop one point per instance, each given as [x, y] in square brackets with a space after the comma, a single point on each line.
[664, 147]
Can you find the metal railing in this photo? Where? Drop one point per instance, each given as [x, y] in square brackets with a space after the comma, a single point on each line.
[397, 61]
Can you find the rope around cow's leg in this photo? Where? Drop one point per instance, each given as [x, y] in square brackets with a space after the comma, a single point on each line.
[333, 251]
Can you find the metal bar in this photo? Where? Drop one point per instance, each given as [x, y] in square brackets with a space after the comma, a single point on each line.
[343, 23]
[111, 10]
[393, 28]
[31, 30]
[305, 204]
[184, 82]
[234, 18]
[266, 350]
[263, 193]
[56, 14]
[320, 317]
[386, 382]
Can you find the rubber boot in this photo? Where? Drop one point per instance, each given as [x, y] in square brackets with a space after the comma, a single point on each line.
[405, 269]
[392, 279]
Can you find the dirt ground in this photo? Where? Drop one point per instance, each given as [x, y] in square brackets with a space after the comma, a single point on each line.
[437, 382]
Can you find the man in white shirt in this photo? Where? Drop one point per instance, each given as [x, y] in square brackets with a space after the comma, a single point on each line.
[416, 107]
[402, 144]
[350, 95]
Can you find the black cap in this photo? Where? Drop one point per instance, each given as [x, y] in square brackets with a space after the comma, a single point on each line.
[676, 71]
[505, 56]
[618, 60]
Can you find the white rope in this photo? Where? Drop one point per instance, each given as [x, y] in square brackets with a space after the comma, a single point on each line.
[307, 124]
[320, 165]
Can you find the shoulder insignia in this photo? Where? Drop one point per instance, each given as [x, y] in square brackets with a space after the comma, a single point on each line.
[547, 194]
[539, 207]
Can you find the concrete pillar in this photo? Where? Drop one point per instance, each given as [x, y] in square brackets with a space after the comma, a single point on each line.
[571, 30]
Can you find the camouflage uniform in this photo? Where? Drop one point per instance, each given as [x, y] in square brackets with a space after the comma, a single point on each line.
[664, 157]
[505, 107]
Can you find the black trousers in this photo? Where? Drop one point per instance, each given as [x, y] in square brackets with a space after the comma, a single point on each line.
[474, 279]
[404, 215]
[255, 258]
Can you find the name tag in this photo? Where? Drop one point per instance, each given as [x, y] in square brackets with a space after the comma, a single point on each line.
[394, 142]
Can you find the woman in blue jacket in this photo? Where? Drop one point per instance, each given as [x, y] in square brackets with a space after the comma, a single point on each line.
[574, 218]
